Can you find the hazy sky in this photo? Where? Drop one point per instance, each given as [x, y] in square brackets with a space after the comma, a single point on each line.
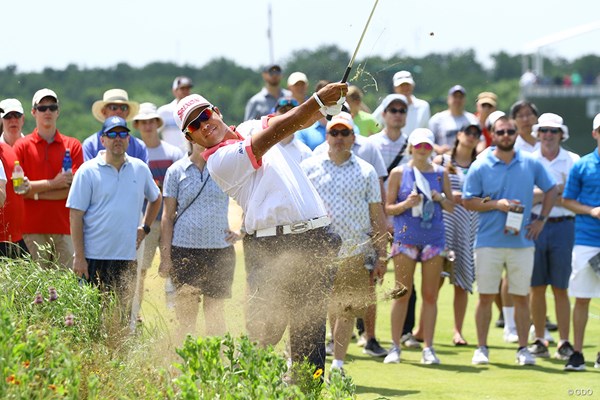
[38, 34]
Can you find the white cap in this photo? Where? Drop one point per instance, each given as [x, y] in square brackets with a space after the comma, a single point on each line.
[186, 105]
[550, 120]
[401, 77]
[596, 123]
[40, 94]
[493, 117]
[296, 77]
[11, 105]
[421, 135]
[342, 118]
[182, 81]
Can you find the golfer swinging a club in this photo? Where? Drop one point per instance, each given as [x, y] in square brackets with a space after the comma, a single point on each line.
[289, 279]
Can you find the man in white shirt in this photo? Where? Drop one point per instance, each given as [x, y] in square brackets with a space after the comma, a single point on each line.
[554, 245]
[170, 133]
[285, 218]
[419, 111]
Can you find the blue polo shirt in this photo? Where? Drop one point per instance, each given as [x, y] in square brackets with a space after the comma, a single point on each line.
[490, 176]
[583, 185]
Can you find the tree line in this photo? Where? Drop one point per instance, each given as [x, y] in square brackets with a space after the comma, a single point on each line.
[230, 85]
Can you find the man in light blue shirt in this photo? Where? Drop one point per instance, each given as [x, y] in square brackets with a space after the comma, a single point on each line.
[105, 203]
[582, 196]
[499, 185]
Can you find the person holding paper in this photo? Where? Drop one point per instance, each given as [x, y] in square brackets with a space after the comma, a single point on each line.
[417, 193]
[499, 185]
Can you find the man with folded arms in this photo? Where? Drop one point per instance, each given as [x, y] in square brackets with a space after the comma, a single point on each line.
[286, 221]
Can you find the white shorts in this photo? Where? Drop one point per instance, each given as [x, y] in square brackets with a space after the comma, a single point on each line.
[490, 261]
[584, 283]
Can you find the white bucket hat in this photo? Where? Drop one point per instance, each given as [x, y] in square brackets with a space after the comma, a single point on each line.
[550, 120]
[148, 111]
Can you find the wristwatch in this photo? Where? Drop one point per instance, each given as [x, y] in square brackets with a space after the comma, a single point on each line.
[146, 229]
[542, 218]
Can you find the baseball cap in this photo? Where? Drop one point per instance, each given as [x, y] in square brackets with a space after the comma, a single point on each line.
[493, 117]
[112, 122]
[342, 118]
[272, 67]
[551, 120]
[186, 105]
[596, 123]
[296, 77]
[456, 88]
[40, 94]
[471, 125]
[401, 77]
[10, 105]
[182, 81]
[390, 98]
[487, 98]
[420, 135]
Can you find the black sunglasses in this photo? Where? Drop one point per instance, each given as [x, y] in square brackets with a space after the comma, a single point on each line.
[551, 130]
[509, 132]
[396, 110]
[116, 107]
[51, 107]
[343, 132]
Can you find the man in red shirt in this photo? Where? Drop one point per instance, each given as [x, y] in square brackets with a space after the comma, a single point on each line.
[46, 228]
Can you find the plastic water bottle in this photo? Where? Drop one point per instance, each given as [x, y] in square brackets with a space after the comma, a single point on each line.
[170, 293]
[67, 165]
[428, 210]
[18, 175]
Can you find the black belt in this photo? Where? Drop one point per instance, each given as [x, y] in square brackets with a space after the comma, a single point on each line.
[555, 219]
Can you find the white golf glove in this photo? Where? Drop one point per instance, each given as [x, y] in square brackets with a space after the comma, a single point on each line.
[330, 110]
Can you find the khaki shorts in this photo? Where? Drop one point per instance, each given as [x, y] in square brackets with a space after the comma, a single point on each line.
[351, 291]
[490, 261]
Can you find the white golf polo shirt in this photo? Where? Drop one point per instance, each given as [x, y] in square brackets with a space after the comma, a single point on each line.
[273, 191]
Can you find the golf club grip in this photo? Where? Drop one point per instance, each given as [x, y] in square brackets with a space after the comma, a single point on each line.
[344, 79]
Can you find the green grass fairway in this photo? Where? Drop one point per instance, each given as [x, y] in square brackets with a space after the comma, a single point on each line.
[455, 378]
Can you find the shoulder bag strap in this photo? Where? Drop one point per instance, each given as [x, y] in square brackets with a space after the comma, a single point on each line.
[191, 202]
[397, 160]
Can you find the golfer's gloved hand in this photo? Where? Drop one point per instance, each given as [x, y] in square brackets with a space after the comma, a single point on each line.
[335, 109]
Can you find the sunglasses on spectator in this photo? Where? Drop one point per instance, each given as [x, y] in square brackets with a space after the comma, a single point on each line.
[425, 146]
[551, 130]
[51, 107]
[12, 115]
[473, 132]
[343, 132]
[113, 134]
[396, 110]
[286, 103]
[117, 107]
[509, 132]
[202, 117]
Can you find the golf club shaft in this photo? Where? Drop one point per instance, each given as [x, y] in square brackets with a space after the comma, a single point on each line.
[347, 73]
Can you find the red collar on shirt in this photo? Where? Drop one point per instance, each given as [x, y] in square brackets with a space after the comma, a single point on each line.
[211, 150]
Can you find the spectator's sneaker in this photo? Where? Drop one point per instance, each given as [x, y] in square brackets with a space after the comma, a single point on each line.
[329, 348]
[481, 356]
[547, 336]
[564, 351]
[576, 362]
[539, 349]
[373, 348]
[393, 356]
[428, 357]
[597, 363]
[409, 341]
[510, 335]
[362, 340]
[524, 357]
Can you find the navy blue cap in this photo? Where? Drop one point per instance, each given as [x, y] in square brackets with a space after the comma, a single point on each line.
[112, 122]
[456, 88]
